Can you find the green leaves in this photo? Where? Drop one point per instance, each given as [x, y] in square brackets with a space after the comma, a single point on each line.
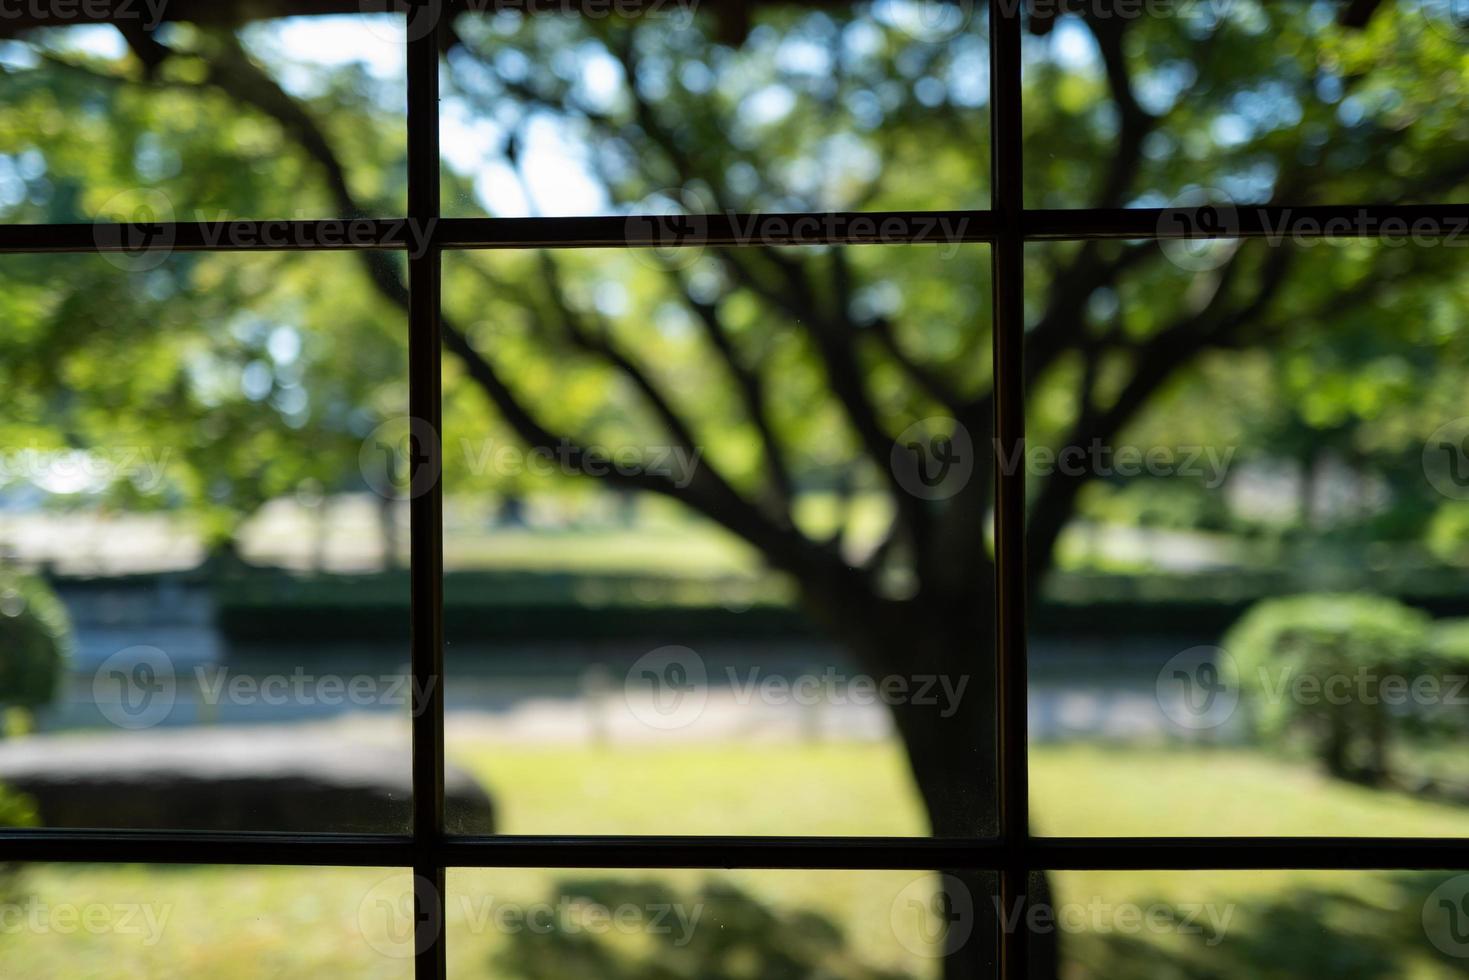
[35, 643]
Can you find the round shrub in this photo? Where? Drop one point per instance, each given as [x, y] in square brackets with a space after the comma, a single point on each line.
[1448, 663]
[35, 641]
[1316, 664]
[1448, 643]
[17, 809]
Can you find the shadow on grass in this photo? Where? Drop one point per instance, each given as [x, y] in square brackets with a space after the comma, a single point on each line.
[1372, 929]
[717, 932]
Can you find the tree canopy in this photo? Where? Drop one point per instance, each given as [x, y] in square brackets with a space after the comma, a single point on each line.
[784, 369]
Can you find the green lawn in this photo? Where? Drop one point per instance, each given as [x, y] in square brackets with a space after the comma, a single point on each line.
[230, 923]
[664, 540]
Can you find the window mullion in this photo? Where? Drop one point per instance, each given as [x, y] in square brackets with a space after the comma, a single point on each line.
[426, 539]
[1007, 255]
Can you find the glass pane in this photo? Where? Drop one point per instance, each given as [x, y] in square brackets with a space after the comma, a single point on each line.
[1249, 530]
[203, 600]
[716, 545]
[854, 925]
[297, 118]
[84, 920]
[1269, 924]
[1286, 103]
[693, 109]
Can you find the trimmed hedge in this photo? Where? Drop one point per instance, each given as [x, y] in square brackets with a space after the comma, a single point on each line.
[35, 641]
[1321, 665]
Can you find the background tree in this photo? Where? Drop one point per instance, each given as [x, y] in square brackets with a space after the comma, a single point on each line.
[790, 368]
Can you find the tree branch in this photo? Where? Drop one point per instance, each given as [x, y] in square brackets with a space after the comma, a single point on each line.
[705, 491]
[1170, 349]
[752, 395]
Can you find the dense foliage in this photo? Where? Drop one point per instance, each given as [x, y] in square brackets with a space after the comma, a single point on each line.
[35, 641]
[1330, 666]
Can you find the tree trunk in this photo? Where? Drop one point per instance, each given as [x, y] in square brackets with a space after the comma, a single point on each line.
[1335, 746]
[387, 519]
[948, 731]
[1378, 735]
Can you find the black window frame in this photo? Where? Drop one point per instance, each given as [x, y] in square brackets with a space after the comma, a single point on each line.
[1007, 227]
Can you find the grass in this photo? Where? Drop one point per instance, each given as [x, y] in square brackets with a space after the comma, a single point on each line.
[230, 923]
[664, 540]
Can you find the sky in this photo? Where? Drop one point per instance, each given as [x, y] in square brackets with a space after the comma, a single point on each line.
[469, 143]
[553, 181]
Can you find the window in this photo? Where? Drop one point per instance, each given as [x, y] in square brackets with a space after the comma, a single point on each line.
[982, 855]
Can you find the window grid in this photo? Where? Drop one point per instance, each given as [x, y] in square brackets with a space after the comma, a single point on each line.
[1007, 227]
[426, 511]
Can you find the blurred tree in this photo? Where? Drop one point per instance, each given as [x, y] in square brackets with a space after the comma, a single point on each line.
[786, 369]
